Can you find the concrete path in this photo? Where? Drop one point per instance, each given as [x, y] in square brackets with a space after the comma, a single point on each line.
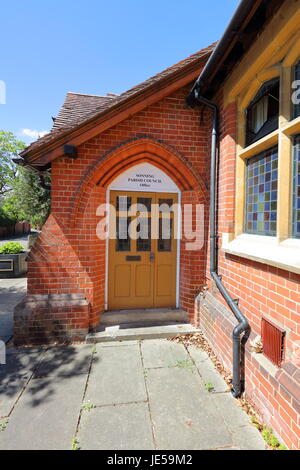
[11, 292]
[119, 395]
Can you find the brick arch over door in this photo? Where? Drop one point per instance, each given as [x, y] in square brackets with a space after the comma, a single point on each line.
[131, 153]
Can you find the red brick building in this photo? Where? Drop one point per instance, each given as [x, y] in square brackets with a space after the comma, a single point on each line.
[157, 141]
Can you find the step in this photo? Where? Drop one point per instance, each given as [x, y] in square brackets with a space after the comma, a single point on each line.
[162, 315]
[137, 331]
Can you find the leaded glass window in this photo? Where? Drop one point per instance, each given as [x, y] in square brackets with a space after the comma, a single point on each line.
[262, 112]
[296, 188]
[261, 193]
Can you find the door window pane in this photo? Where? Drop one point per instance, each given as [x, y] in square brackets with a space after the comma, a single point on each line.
[143, 242]
[296, 188]
[165, 205]
[123, 203]
[165, 234]
[123, 240]
[144, 204]
[261, 193]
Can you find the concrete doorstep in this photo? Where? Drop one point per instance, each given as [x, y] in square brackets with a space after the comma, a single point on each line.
[131, 395]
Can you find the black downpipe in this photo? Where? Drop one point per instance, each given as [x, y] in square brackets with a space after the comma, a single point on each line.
[243, 325]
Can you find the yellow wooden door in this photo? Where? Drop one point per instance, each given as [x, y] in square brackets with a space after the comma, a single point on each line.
[142, 250]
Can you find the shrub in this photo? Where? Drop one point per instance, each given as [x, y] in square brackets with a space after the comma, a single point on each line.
[6, 219]
[11, 248]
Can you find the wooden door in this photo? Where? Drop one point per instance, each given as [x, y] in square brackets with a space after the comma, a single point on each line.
[142, 250]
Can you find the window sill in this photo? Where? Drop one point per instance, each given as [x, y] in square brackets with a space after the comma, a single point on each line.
[292, 127]
[260, 145]
[268, 250]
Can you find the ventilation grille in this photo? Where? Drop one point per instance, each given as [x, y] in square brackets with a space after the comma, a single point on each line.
[273, 341]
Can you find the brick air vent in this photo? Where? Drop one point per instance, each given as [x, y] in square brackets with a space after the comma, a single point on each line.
[273, 341]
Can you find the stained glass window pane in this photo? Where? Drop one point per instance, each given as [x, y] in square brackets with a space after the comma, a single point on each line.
[296, 188]
[261, 193]
[296, 106]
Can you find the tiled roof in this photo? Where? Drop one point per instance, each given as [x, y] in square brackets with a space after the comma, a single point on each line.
[77, 107]
[80, 108]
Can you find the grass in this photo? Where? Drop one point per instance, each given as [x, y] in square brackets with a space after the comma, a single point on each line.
[184, 363]
[271, 439]
[3, 424]
[88, 406]
[75, 444]
[267, 434]
[209, 386]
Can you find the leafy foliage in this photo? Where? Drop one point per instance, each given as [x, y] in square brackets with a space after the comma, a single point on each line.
[9, 148]
[271, 439]
[21, 195]
[6, 219]
[11, 248]
[29, 200]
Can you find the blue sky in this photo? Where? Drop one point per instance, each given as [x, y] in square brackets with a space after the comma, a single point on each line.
[98, 47]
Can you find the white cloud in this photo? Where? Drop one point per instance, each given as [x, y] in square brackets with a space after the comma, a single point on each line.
[33, 133]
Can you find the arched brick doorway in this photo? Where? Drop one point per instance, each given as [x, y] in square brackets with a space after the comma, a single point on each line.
[93, 191]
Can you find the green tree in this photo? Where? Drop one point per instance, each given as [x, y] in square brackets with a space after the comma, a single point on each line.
[9, 149]
[29, 200]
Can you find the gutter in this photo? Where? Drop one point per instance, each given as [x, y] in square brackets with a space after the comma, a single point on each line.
[243, 325]
[234, 30]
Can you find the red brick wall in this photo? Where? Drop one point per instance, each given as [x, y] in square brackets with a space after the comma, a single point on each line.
[261, 290]
[68, 257]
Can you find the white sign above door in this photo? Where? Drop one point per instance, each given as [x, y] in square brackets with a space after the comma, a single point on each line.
[144, 177]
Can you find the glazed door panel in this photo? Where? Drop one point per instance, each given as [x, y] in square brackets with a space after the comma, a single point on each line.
[142, 263]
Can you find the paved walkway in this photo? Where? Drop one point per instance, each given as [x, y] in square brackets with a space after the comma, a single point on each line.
[11, 292]
[126, 395]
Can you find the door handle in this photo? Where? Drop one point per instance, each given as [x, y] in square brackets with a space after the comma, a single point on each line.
[152, 256]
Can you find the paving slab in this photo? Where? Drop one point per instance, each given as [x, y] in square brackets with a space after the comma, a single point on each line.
[116, 376]
[120, 427]
[9, 394]
[11, 292]
[20, 363]
[182, 412]
[41, 390]
[162, 353]
[207, 370]
[232, 414]
[65, 361]
[249, 438]
[46, 415]
[14, 375]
